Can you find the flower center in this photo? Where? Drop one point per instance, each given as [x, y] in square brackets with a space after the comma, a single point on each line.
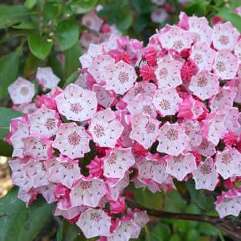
[163, 73]
[85, 185]
[224, 39]
[24, 90]
[202, 81]
[123, 77]
[76, 108]
[74, 139]
[165, 104]
[220, 66]
[205, 169]
[99, 130]
[50, 123]
[172, 134]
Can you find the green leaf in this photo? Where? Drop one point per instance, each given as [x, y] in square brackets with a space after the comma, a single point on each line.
[83, 6]
[160, 232]
[174, 202]
[30, 66]
[30, 3]
[18, 223]
[39, 46]
[201, 198]
[52, 10]
[6, 115]
[72, 60]
[119, 14]
[25, 25]
[56, 65]
[148, 199]
[69, 232]
[228, 15]
[197, 7]
[5, 149]
[67, 34]
[175, 237]
[208, 229]
[142, 6]
[9, 66]
[192, 235]
[12, 14]
[73, 77]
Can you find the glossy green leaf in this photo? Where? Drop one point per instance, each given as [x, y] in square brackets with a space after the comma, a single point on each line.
[30, 3]
[208, 229]
[68, 232]
[55, 63]
[6, 115]
[174, 202]
[19, 223]
[148, 199]
[25, 25]
[142, 6]
[192, 235]
[175, 237]
[201, 198]
[72, 60]
[72, 78]
[67, 34]
[160, 232]
[83, 6]
[228, 15]
[39, 46]
[9, 66]
[118, 13]
[12, 14]
[197, 7]
[52, 10]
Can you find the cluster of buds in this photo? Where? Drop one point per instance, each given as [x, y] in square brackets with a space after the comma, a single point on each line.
[139, 115]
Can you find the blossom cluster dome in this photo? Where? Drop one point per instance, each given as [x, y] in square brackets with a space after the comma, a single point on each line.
[140, 115]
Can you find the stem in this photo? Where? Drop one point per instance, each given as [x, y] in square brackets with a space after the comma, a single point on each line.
[230, 228]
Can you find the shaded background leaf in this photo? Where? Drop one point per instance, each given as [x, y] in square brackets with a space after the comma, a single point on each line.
[19, 223]
[9, 67]
[6, 115]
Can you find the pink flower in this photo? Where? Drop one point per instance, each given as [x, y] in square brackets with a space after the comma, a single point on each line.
[118, 206]
[229, 203]
[46, 78]
[204, 85]
[205, 175]
[147, 72]
[76, 103]
[172, 139]
[181, 165]
[150, 55]
[188, 70]
[225, 65]
[105, 128]
[168, 73]
[72, 140]
[94, 222]
[87, 193]
[118, 162]
[21, 91]
[44, 122]
[176, 38]
[96, 167]
[225, 36]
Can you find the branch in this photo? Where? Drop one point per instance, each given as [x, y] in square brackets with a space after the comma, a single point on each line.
[228, 227]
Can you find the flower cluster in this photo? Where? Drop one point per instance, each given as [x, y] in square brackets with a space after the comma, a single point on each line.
[141, 115]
